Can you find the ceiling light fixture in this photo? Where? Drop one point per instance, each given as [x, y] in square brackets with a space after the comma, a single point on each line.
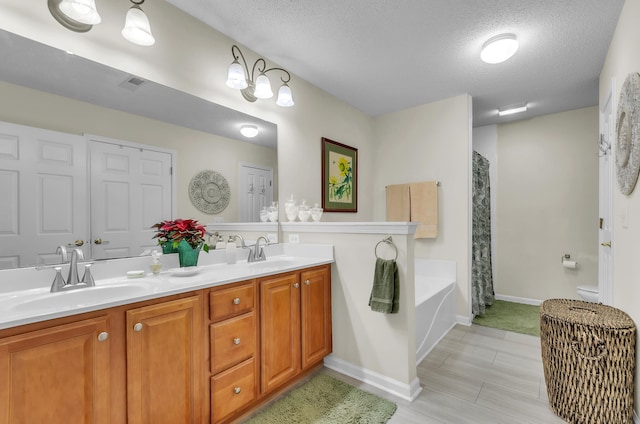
[499, 48]
[249, 131]
[69, 14]
[253, 88]
[136, 27]
[510, 110]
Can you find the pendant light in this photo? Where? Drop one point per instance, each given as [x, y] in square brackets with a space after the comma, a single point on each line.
[136, 27]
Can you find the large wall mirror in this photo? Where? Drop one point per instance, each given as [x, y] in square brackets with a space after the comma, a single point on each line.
[51, 90]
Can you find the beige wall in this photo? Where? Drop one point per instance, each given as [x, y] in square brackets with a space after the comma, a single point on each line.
[431, 142]
[624, 58]
[547, 205]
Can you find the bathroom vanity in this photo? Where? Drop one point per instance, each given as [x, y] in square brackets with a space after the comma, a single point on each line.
[196, 349]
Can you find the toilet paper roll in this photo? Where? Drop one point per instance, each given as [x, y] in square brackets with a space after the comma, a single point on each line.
[569, 264]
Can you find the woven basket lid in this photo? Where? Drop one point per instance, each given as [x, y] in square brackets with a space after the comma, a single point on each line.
[586, 313]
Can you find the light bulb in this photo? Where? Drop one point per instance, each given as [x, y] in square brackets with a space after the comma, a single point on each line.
[136, 27]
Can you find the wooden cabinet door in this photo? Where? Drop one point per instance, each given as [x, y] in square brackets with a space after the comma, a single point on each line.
[315, 315]
[58, 375]
[280, 329]
[164, 363]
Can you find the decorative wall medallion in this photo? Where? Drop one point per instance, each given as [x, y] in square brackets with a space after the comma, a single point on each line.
[628, 134]
[209, 192]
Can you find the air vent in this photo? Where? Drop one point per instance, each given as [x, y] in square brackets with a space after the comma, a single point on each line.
[132, 83]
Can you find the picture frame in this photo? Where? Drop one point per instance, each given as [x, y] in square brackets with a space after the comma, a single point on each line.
[339, 177]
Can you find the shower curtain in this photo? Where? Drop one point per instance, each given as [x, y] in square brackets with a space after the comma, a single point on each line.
[481, 272]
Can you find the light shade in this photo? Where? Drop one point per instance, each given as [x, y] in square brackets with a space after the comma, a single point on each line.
[249, 131]
[510, 110]
[235, 76]
[136, 27]
[83, 11]
[499, 48]
[263, 87]
[285, 98]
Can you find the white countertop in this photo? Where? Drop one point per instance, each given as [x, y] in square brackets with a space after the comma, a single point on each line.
[25, 299]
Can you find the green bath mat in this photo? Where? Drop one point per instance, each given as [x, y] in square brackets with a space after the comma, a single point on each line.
[324, 400]
[511, 316]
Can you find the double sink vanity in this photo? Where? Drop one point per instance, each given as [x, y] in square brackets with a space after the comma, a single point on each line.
[178, 347]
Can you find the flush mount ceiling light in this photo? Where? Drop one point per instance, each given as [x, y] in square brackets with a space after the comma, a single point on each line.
[249, 131]
[253, 88]
[136, 27]
[76, 15]
[510, 110]
[499, 48]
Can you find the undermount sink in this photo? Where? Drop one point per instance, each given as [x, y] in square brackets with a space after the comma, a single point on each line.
[78, 297]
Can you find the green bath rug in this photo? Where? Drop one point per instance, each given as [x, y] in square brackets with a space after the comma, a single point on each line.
[510, 316]
[324, 400]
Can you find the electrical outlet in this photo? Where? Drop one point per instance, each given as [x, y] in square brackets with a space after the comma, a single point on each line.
[294, 238]
[273, 237]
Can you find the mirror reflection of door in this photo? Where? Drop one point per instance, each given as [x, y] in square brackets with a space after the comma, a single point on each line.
[130, 191]
[255, 192]
[43, 186]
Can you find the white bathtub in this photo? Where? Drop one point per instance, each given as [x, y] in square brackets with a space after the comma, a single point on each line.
[435, 303]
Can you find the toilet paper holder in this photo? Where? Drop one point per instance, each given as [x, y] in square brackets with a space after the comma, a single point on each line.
[566, 257]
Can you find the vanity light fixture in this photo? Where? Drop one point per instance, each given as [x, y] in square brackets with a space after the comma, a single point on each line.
[249, 131]
[136, 27]
[499, 48]
[510, 110]
[253, 88]
[76, 15]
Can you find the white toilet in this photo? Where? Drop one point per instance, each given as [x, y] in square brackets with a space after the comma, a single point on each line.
[588, 293]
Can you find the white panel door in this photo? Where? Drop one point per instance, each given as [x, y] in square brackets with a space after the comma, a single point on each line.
[256, 191]
[43, 184]
[131, 189]
[606, 185]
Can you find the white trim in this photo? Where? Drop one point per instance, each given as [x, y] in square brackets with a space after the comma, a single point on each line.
[405, 391]
[271, 227]
[636, 420]
[515, 299]
[351, 227]
[462, 320]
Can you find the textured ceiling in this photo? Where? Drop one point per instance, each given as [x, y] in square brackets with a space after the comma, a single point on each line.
[383, 56]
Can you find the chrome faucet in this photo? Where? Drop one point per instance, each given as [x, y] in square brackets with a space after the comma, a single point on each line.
[73, 267]
[73, 281]
[257, 253]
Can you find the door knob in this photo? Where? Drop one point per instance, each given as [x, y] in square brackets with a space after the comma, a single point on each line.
[77, 243]
[100, 241]
[607, 244]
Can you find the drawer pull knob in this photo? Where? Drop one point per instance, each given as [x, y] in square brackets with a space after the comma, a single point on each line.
[307, 282]
[296, 285]
[137, 327]
[236, 341]
[236, 301]
[103, 336]
[237, 390]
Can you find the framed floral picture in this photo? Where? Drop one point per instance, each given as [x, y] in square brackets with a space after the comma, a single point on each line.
[339, 177]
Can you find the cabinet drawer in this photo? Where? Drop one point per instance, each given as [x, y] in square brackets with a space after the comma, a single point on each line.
[232, 341]
[231, 301]
[232, 390]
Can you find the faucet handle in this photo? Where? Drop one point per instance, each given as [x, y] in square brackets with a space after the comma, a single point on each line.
[58, 281]
[87, 278]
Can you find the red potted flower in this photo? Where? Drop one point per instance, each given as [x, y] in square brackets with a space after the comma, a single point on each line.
[181, 235]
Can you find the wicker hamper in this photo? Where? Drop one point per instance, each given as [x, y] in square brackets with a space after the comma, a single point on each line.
[588, 355]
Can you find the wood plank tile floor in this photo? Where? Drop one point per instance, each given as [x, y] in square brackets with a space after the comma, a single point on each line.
[476, 375]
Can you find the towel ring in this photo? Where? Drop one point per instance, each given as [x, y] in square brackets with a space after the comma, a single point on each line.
[388, 241]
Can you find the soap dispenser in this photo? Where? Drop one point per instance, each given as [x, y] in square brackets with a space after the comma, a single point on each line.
[155, 265]
[231, 250]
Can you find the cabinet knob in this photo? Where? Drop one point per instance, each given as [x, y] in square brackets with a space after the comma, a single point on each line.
[137, 327]
[296, 285]
[307, 282]
[103, 336]
[236, 301]
[237, 390]
[236, 341]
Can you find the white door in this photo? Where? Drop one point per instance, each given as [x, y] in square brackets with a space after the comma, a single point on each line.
[256, 191]
[606, 185]
[43, 187]
[130, 191]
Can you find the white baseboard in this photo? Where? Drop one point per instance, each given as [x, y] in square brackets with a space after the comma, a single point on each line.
[405, 391]
[515, 299]
[462, 320]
